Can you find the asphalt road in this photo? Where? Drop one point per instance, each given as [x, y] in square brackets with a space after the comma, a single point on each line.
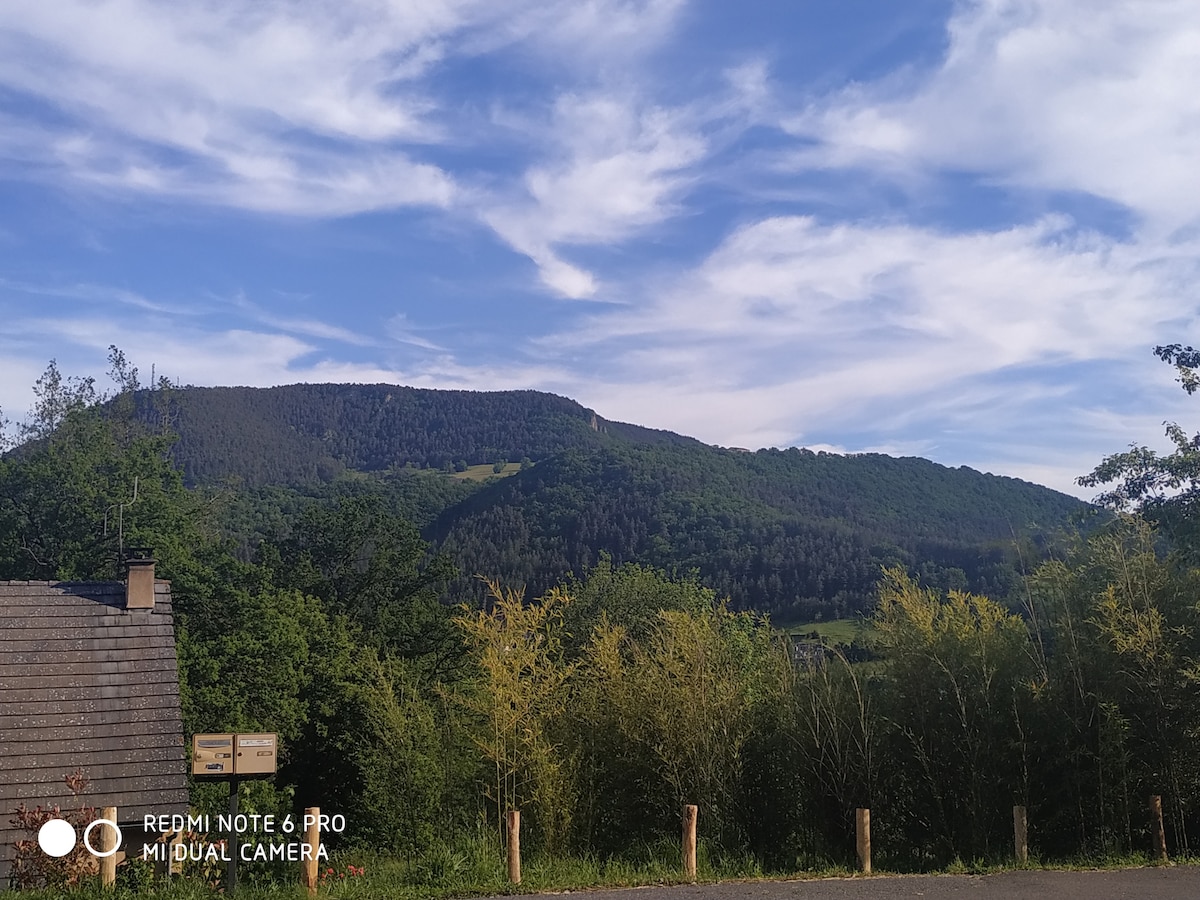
[1171, 883]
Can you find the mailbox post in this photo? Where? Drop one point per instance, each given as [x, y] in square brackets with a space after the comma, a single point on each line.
[232, 758]
[232, 846]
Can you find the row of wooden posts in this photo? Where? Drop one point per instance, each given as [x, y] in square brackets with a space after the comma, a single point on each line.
[691, 814]
[862, 827]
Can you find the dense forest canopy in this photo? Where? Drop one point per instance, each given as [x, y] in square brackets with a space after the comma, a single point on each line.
[793, 533]
[798, 534]
[304, 432]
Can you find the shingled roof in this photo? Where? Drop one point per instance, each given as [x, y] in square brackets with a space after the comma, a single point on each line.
[87, 684]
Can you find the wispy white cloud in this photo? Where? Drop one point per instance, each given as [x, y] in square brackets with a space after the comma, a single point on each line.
[267, 106]
[585, 35]
[292, 323]
[318, 329]
[619, 167]
[91, 293]
[313, 109]
[1043, 95]
[612, 164]
[401, 331]
[178, 74]
[984, 299]
[329, 109]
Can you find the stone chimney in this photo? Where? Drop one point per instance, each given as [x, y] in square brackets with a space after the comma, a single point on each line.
[139, 586]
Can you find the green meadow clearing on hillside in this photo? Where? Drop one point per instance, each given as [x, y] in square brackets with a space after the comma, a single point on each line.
[481, 473]
[474, 473]
[832, 631]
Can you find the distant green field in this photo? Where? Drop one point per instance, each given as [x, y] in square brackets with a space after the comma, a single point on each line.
[833, 631]
[472, 473]
[479, 473]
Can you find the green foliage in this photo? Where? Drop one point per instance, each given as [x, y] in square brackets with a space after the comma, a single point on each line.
[630, 597]
[84, 486]
[616, 696]
[956, 697]
[261, 648]
[370, 565]
[1119, 626]
[1164, 489]
[682, 695]
[255, 660]
[312, 432]
[521, 695]
[384, 731]
[790, 533]
[830, 719]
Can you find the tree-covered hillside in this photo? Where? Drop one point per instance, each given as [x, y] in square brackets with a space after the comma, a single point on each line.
[304, 432]
[789, 532]
[793, 532]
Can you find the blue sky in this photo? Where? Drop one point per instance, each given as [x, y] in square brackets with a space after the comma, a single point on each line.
[946, 229]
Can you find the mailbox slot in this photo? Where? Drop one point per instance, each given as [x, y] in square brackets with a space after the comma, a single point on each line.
[212, 754]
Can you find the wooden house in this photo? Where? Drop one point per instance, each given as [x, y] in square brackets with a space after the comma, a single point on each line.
[89, 681]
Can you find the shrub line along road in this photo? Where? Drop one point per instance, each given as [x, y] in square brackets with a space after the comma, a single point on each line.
[1157, 883]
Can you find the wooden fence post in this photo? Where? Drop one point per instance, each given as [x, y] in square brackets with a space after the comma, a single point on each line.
[691, 813]
[862, 821]
[1156, 824]
[312, 840]
[107, 842]
[514, 846]
[1021, 834]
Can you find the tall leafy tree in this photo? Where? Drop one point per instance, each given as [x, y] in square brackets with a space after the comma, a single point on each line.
[1120, 696]
[521, 695]
[1163, 488]
[89, 480]
[683, 693]
[955, 697]
[372, 566]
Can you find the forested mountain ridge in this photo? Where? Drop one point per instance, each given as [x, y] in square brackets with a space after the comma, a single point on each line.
[791, 532]
[304, 432]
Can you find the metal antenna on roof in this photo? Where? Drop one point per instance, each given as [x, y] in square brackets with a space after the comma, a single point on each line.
[120, 508]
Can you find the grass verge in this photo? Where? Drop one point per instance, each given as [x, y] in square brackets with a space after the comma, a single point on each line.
[475, 870]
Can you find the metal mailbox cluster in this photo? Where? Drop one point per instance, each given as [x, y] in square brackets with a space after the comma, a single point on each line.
[238, 755]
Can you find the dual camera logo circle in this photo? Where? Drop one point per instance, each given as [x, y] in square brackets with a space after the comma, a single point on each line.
[58, 838]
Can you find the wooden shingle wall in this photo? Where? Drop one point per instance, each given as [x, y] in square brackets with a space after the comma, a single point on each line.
[86, 684]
